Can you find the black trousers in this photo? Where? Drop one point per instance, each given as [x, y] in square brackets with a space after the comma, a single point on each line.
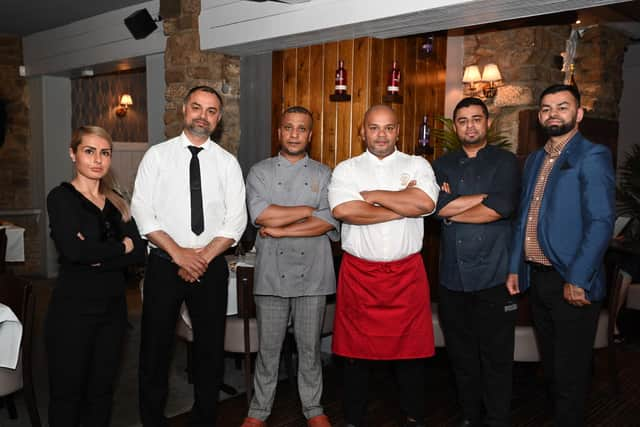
[565, 335]
[479, 330]
[410, 375]
[83, 338]
[164, 292]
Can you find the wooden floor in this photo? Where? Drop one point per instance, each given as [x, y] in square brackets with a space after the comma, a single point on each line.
[530, 406]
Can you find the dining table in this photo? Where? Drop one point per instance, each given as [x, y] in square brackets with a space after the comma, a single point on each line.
[15, 242]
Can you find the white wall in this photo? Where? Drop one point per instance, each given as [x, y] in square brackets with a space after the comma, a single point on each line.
[628, 130]
[155, 97]
[453, 83]
[97, 40]
[50, 119]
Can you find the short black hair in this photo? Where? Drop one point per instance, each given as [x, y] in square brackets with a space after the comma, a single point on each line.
[468, 102]
[297, 109]
[207, 89]
[561, 88]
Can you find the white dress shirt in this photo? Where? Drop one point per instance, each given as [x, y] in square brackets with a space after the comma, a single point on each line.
[161, 196]
[391, 240]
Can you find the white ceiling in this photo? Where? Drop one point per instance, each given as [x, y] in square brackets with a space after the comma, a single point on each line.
[24, 17]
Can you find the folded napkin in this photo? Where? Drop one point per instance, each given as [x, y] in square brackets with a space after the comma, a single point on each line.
[10, 338]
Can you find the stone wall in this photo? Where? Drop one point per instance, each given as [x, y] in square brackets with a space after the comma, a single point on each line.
[186, 66]
[15, 153]
[599, 59]
[16, 156]
[527, 58]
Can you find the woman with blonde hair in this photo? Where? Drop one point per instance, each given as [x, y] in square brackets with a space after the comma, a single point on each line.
[96, 239]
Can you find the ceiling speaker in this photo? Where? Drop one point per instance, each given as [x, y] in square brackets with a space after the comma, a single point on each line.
[140, 24]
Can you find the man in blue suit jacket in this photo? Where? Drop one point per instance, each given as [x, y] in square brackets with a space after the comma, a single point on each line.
[562, 230]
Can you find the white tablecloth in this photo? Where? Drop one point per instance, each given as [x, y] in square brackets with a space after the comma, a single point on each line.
[10, 337]
[15, 243]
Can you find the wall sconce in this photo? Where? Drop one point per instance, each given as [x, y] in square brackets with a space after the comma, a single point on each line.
[470, 77]
[125, 102]
[491, 74]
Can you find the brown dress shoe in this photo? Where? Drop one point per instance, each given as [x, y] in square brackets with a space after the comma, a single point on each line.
[319, 421]
[253, 422]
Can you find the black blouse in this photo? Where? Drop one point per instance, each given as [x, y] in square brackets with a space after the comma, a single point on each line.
[93, 267]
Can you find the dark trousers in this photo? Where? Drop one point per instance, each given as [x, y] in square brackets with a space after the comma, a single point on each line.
[83, 339]
[479, 330]
[565, 335]
[164, 292]
[410, 376]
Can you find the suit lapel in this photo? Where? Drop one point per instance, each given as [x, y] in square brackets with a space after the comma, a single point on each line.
[564, 161]
[536, 162]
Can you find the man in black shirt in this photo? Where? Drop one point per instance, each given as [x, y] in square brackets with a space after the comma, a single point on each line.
[479, 191]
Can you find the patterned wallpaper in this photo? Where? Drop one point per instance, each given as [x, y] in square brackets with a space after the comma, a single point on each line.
[95, 99]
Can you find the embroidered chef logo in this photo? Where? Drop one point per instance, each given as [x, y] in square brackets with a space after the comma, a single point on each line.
[315, 185]
[404, 179]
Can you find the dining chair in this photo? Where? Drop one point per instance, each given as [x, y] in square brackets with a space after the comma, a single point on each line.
[3, 250]
[241, 332]
[17, 294]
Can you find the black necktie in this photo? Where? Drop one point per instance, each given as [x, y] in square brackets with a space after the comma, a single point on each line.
[195, 186]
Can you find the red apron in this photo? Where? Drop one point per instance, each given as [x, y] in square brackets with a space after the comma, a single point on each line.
[383, 310]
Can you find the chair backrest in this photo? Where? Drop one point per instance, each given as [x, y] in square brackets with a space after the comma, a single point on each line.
[17, 294]
[3, 249]
[620, 279]
[244, 283]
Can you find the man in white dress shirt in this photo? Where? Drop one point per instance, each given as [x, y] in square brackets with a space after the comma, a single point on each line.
[383, 307]
[189, 202]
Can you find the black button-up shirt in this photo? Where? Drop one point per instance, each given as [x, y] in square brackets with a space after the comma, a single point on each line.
[475, 256]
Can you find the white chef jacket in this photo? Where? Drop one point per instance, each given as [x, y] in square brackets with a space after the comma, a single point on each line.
[391, 240]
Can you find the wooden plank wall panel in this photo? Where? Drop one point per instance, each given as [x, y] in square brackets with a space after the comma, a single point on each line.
[316, 102]
[290, 76]
[303, 76]
[306, 76]
[277, 98]
[360, 89]
[378, 79]
[329, 119]
[405, 121]
[410, 134]
[343, 122]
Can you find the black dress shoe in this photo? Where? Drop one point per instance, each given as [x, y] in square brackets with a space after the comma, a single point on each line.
[465, 423]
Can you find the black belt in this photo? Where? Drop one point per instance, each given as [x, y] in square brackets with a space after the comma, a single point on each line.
[540, 268]
[161, 253]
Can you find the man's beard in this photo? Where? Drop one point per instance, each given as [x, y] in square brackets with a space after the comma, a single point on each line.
[293, 152]
[200, 130]
[559, 130]
[475, 141]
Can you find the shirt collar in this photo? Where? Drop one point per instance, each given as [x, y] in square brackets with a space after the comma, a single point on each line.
[184, 141]
[373, 157]
[302, 161]
[554, 150]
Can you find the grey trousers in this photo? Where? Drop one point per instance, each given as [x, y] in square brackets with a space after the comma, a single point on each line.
[273, 314]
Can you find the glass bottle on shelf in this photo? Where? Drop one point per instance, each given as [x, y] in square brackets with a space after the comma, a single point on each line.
[393, 82]
[424, 132]
[341, 79]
